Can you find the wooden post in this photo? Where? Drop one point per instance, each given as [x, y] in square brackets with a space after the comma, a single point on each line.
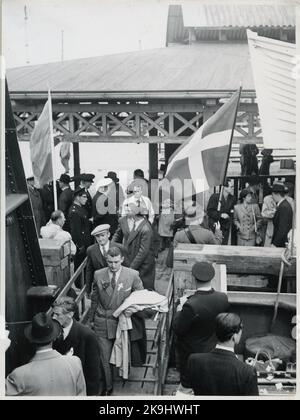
[76, 162]
[153, 161]
[73, 127]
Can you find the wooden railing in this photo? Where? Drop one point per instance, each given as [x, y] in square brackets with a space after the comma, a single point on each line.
[81, 298]
[163, 339]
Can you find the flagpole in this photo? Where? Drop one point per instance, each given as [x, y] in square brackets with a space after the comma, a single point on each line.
[52, 149]
[229, 149]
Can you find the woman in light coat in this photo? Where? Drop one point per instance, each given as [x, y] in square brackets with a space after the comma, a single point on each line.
[247, 219]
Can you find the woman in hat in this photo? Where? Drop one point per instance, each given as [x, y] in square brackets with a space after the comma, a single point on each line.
[247, 219]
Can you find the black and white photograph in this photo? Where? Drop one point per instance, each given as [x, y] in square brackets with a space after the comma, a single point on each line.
[149, 201]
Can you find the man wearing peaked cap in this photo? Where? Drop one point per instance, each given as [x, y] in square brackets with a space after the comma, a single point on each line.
[86, 181]
[48, 373]
[65, 198]
[194, 323]
[79, 225]
[283, 218]
[96, 254]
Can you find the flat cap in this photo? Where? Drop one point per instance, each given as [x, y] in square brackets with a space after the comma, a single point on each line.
[203, 271]
[100, 228]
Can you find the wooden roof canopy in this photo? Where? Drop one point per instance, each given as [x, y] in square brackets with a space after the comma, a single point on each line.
[206, 68]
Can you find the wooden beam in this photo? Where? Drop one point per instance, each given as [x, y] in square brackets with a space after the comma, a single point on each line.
[35, 108]
[135, 139]
[238, 259]
[138, 95]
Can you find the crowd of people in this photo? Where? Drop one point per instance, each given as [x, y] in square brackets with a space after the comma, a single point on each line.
[121, 238]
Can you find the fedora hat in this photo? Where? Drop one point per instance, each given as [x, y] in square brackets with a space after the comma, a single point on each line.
[112, 175]
[43, 329]
[65, 178]
[203, 271]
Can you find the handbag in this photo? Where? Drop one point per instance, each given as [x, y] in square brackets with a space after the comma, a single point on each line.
[263, 366]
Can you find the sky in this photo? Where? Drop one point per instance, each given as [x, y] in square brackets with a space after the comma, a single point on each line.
[90, 28]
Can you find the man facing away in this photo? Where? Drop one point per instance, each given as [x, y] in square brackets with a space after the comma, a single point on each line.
[79, 339]
[194, 324]
[220, 372]
[48, 373]
[54, 230]
[194, 232]
[96, 254]
[113, 285]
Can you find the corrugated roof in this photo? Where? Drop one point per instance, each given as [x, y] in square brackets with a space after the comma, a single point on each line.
[203, 66]
[221, 15]
[207, 19]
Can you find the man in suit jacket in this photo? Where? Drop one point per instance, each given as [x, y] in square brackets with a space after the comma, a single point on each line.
[86, 180]
[137, 236]
[80, 340]
[283, 218]
[80, 226]
[65, 198]
[224, 216]
[96, 254]
[194, 232]
[37, 204]
[112, 286]
[221, 372]
[48, 373]
[194, 323]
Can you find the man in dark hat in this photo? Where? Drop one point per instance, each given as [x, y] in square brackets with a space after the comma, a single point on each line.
[66, 197]
[194, 323]
[80, 226]
[86, 181]
[283, 218]
[118, 190]
[37, 204]
[48, 373]
[221, 372]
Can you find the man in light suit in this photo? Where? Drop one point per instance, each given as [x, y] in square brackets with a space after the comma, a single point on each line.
[48, 373]
[137, 235]
[96, 254]
[220, 372]
[112, 286]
